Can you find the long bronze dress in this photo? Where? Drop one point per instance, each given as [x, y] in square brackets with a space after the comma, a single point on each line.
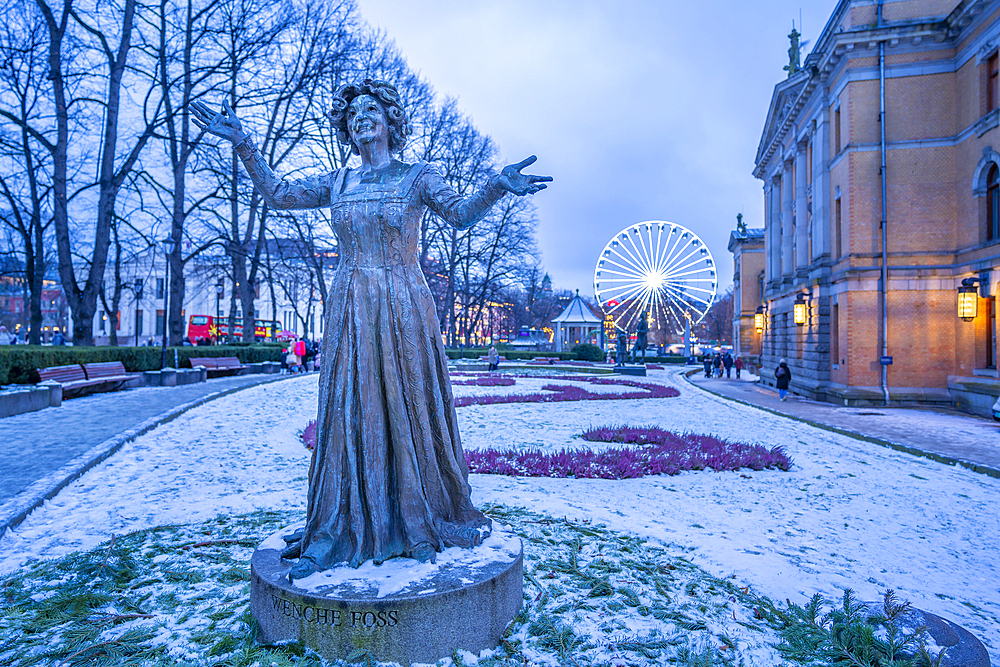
[388, 473]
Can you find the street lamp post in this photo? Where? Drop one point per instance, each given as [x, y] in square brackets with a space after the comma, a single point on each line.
[137, 291]
[218, 308]
[168, 249]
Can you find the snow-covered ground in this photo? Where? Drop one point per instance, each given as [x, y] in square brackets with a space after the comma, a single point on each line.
[848, 514]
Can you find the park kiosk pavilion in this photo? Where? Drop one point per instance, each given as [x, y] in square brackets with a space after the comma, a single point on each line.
[881, 172]
[577, 324]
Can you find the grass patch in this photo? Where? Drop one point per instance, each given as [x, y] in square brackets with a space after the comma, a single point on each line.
[592, 597]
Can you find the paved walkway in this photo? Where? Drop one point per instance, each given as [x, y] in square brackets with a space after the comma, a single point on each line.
[949, 436]
[34, 445]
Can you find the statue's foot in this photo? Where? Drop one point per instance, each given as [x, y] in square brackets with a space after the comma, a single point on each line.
[294, 537]
[292, 551]
[424, 553]
[303, 569]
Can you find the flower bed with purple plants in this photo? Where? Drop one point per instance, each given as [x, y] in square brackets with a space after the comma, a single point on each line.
[654, 452]
[486, 381]
[558, 392]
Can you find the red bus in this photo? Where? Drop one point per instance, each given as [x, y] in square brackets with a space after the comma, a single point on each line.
[205, 326]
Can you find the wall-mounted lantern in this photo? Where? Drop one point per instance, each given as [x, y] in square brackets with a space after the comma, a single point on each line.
[800, 311]
[968, 299]
[758, 319]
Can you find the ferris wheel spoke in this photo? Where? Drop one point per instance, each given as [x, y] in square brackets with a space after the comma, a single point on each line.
[640, 265]
[673, 289]
[695, 272]
[668, 257]
[690, 302]
[643, 250]
[691, 269]
[676, 265]
[692, 288]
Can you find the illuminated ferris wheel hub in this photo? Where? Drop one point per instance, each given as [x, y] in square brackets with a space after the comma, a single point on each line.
[657, 267]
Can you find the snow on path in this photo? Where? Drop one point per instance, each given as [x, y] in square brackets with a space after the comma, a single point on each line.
[848, 514]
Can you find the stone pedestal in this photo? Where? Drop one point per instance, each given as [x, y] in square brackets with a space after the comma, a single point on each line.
[401, 611]
[631, 369]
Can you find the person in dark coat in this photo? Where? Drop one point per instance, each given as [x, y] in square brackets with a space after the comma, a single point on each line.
[727, 361]
[782, 376]
[739, 366]
[707, 362]
[718, 365]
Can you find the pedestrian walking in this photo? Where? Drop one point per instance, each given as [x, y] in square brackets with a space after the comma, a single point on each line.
[738, 364]
[717, 362]
[727, 361]
[494, 358]
[7, 338]
[707, 362]
[782, 376]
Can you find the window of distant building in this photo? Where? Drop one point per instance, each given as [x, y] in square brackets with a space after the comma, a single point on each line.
[993, 204]
[992, 90]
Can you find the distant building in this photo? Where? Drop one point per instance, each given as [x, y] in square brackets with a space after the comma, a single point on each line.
[747, 246]
[935, 64]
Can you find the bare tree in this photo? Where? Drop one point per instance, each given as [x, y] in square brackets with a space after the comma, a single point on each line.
[719, 319]
[75, 83]
[24, 189]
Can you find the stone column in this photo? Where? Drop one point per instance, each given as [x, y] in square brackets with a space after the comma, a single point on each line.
[801, 214]
[772, 236]
[558, 337]
[821, 186]
[787, 238]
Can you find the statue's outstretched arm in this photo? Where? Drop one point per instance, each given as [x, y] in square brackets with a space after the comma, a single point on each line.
[279, 193]
[459, 212]
[464, 212]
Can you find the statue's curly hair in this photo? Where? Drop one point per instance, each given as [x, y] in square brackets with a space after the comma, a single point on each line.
[386, 93]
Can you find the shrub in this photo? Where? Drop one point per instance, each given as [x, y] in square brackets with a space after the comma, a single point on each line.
[18, 363]
[588, 352]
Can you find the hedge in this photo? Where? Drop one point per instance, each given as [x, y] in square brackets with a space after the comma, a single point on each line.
[18, 363]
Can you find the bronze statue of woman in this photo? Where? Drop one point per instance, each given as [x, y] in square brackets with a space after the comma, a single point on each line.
[388, 475]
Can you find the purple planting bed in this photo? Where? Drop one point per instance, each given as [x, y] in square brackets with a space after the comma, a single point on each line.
[653, 451]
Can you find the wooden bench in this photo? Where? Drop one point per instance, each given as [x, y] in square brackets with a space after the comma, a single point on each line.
[548, 361]
[220, 366]
[75, 382]
[487, 358]
[111, 372]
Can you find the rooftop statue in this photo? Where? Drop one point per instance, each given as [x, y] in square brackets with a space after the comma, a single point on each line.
[793, 65]
[388, 475]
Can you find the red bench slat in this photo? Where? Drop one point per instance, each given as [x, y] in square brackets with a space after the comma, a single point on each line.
[62, 374]
[105, 369]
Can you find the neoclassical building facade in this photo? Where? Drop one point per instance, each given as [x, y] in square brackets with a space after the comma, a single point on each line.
[881, 174]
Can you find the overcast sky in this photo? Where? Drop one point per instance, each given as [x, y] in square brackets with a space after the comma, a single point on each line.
[640, 110]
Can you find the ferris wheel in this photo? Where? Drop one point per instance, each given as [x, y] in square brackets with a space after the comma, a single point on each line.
[658, 267]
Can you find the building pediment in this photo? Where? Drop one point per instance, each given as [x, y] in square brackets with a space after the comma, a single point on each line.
[785, 103]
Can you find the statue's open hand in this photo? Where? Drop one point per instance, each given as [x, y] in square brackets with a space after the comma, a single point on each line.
[223, 124]
[514, 181]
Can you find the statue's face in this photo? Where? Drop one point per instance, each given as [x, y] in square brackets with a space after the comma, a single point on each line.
[366, 120]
